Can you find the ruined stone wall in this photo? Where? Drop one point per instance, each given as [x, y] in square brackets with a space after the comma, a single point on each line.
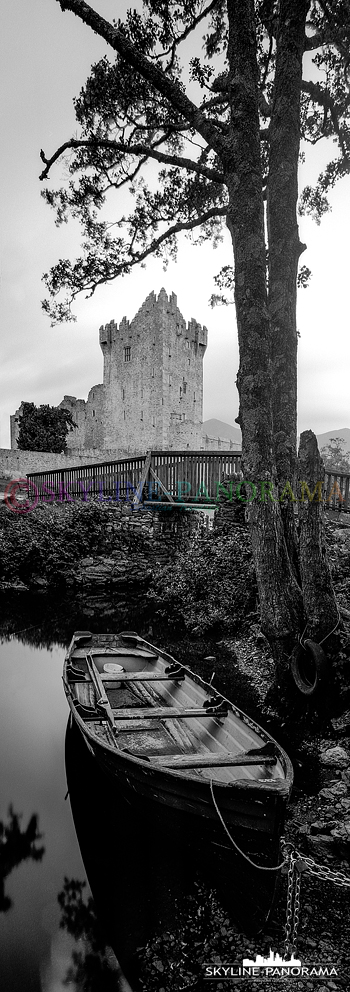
[76, 437]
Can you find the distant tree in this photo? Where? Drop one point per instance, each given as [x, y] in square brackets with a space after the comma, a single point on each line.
[334, 456]
[44, 428]
[199, 116]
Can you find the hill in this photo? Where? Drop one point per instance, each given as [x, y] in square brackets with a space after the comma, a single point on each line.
[217, 428]
[344, 432]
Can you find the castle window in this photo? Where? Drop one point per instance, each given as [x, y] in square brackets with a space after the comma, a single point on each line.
[93, 413]
[180, 392]
[194, 397]
[162, 400]
[153, 373]
[124, 414]
[141, 414]
[170, 379]
[169, 352]
[127, 353]
[184, 386]
[123, 394]
[187, 343]
[153, 421]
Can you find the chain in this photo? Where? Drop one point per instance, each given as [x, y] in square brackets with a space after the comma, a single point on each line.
[297, 863]
[293, 904]
[321, 871]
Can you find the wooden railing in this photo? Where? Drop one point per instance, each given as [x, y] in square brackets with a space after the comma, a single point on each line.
[184, 476]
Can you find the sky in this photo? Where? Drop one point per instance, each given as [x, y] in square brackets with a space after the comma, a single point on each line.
[45, 59]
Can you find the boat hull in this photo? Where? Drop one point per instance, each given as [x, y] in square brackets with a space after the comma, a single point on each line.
[233, 826]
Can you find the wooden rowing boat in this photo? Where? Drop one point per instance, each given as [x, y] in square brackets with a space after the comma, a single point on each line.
[179, 750]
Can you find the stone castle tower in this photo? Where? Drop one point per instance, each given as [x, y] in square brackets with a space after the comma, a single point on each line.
[153, 378]
[152, 391]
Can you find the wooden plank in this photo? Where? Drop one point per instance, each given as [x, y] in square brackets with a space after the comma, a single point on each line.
[169, 712]
[101, 696]
[138, 496]
[159, 482]
[140, 677]
[212, 760]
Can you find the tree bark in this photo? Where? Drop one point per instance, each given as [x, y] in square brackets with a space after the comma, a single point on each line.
[280, 597]
[319, 598]
[285, 247]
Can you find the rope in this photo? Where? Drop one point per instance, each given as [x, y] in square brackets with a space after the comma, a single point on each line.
[301, 641]
[247, 858]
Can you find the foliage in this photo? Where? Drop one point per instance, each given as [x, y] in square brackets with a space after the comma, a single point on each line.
[334, 456]
[49, 540]
[160, 128]
[44, 428]
[209, 588]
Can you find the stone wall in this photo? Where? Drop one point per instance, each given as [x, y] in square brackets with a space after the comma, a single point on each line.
[16, 463]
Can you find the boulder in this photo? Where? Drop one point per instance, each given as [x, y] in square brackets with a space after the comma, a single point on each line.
[335, 757]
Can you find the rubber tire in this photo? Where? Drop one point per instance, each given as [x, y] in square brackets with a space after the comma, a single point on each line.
[310, 668]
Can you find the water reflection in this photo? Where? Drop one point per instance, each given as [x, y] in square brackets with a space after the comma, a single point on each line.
[17, 845]
[89, 968]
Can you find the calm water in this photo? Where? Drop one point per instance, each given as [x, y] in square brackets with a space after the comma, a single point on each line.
[139, 881]
[34, 952]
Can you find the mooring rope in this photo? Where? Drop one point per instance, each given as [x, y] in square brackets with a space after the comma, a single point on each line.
[246, 856]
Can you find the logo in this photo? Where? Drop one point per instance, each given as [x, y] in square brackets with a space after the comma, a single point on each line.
[16, 500]
[273, 966]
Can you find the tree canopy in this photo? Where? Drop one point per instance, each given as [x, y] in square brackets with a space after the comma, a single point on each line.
[44, 428]
[196, 123]
[334, 456]
[169, 99]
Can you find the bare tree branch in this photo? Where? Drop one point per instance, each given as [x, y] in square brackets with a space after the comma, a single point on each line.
[136, 149]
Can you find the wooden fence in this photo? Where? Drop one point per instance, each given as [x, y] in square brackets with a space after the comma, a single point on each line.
[188, 477]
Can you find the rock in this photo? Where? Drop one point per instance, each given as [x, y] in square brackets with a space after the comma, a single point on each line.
[321, 844]
[320, 827]
[332, 792]
[341, 723]
[335, 757]
[342, 832]
[86, 561]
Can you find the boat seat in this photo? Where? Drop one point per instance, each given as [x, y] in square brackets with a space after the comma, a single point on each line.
[176, 674]
[171, 712]
[214, 760]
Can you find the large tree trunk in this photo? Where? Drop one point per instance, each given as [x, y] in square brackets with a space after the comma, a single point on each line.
[285, 247]
[280, 597]
[320, 605]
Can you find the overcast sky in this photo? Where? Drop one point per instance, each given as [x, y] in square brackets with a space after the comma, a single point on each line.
[45, 59]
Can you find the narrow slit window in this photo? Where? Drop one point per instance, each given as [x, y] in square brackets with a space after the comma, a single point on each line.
[127, 353]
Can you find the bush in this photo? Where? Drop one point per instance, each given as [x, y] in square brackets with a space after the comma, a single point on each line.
[50, 540]
[211, 586]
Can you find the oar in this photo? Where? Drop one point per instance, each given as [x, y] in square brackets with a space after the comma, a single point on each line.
[101, 695]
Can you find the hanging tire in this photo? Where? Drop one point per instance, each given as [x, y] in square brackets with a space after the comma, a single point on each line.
[310, 668]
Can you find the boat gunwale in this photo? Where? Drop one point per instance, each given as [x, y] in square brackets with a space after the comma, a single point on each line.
[281, 786]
